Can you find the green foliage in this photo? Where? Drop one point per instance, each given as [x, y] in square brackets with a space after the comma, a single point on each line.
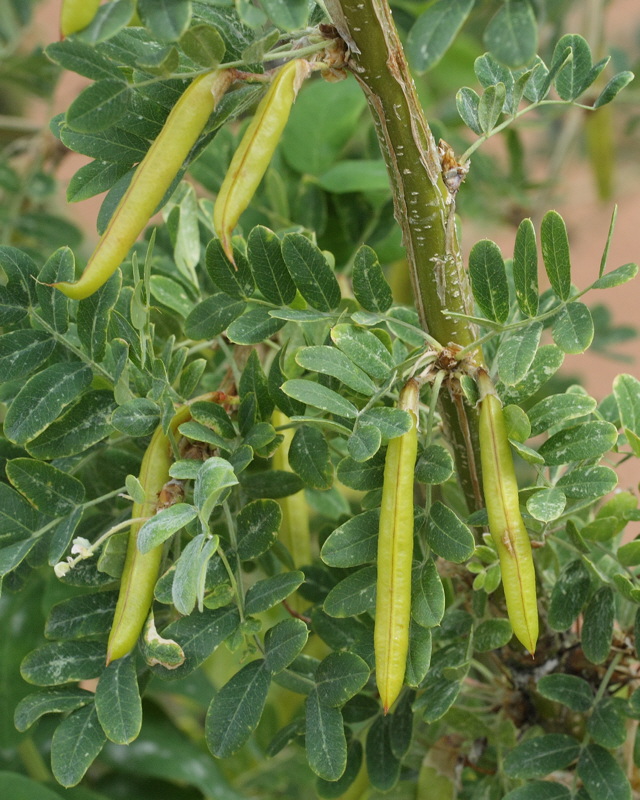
[260, 642]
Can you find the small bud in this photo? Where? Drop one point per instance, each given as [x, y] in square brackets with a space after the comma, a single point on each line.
[61, 569]
[81, 547]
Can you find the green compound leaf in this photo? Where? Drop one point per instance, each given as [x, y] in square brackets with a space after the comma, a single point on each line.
[602, 776]
[309, 457]
[76, 743]
[419, 655]
[254, 327]
[571, 691]
[83, 425]
[264, 252]
[99, 106]
[490, 107]
[137, 417]
[383, 767]
[290, 15]
[110, 19]
[355, 594]
[391, 422]
[517, 424]
[537, 757]
[64, 662]
[525, 268]
[355, 175]
[268, 592]
[354, 543]
[608, 722]
[167, 21]
[573, 328]
[434, 31]
[203, 44]
[557, 409]
[447, 535]
[615, 85]
[539, 790]
[468, 105]
[311, 272]
[283, 643]
[23, 351]
[597, 629]
[362, 476]
[213, 315]
[331, 361]
[325, 740]
[42, 398]
[489, 280]
[257, 528]
[48, 489]
[616, 277]
[318, 396]
[626, 390]
[547, 504]
[516, 353]
[580, 442]
[118, 701]
[427, 596]
[52, 701]
[337, 789]
[94, 315]
[555, 253]
[81, 616]
[492, 634]
[236, 709]
[573, 78]
[164, 524]
[199, 635]
[189, 577]
[512, 34]
[364, 349]
[369, 284]
[339, 677]
[435, 465]
[569, 595]
[364, 442]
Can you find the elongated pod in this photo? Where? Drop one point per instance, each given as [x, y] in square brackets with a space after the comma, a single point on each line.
[294, 530]
[251, 159]
[141, 570]
[151, 181]
[505, 520]
[76, 15]
[395, 554]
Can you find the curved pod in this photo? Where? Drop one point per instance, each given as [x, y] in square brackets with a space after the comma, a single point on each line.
[141, 570]
[395, 556]
[505, 522]
[76, 15]
[151, 180]
[254, 153]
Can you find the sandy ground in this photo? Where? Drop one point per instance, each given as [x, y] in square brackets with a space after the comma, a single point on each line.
[587, 218]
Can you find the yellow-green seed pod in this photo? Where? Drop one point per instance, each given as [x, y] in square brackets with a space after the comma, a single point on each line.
[151, 181]
[395, 555]
[251, 159]
[141, 570]
[76, 15]
[294, 529]
[505, 521]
